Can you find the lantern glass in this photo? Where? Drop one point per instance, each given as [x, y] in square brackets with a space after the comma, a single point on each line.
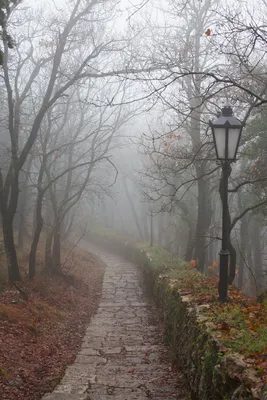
[226, 142]
[233, 142]
[219, 138]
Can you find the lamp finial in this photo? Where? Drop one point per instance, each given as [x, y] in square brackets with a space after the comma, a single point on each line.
[227, 111]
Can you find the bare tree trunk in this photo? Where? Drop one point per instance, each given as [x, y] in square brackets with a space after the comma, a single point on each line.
[12, 261]
[57, 247]
[66, 229]
[256, 247]
[135, 215]
[161, 223]
[8, 205]
[203, 220]
[48, 252]
[251, 272]
[151, 230]
[22, 202]
[21, 215]
[211, 246]
[190, 245]
[232, 267]
[179, 240]
[196, 96]
[243, 250]
[36, 237]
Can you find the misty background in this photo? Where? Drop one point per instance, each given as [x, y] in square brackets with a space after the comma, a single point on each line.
[104, 119]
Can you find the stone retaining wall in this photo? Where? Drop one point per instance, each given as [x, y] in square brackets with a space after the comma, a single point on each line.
[212, 375]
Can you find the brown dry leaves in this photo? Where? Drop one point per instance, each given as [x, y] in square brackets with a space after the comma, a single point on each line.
[39, 338]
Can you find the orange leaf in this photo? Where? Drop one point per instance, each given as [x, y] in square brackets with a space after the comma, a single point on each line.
[208, 32]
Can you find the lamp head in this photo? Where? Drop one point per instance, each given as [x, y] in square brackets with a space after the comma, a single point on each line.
[226, 131]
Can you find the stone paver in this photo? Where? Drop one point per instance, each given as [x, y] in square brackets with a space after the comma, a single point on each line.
[122, 356]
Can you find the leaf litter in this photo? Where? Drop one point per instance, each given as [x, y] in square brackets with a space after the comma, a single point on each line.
[41, 336]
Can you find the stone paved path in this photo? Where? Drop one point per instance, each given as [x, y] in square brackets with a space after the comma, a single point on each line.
[122, 356]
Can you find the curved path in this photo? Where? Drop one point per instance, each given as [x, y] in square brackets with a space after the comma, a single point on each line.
[122, 356]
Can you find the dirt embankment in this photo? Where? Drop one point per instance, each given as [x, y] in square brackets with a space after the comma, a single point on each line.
[40, 336]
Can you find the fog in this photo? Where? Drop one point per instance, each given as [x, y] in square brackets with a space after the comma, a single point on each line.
[104, 119]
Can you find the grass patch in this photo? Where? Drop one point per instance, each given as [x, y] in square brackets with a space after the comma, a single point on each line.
[242, 328]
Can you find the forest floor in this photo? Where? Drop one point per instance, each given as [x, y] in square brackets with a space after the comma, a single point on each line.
[40, 336]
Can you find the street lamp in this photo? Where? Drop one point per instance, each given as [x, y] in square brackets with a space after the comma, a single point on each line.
[226, 131]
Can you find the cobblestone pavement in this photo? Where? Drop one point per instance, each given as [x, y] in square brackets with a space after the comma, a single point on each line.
[122, 356]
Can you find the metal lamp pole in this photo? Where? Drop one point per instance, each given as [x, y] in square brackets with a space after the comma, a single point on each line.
[224, 253]
[226, 131]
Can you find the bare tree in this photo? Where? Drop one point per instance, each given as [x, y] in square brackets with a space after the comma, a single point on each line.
[76, 46]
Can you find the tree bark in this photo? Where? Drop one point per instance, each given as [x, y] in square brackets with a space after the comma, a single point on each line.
[21, 215]
[211, 257]
[251, 271]
[203, 220]
[161, 225]
[257, 258]
[190, 245]
[8, 206]
[196, 98]
[243, 247]
[48, 252]
[232, 266]
[57, 247]
[22, 202]
[36, 236]
[10, 249]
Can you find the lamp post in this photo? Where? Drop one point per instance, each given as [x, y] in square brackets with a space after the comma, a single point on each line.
[226, 131]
